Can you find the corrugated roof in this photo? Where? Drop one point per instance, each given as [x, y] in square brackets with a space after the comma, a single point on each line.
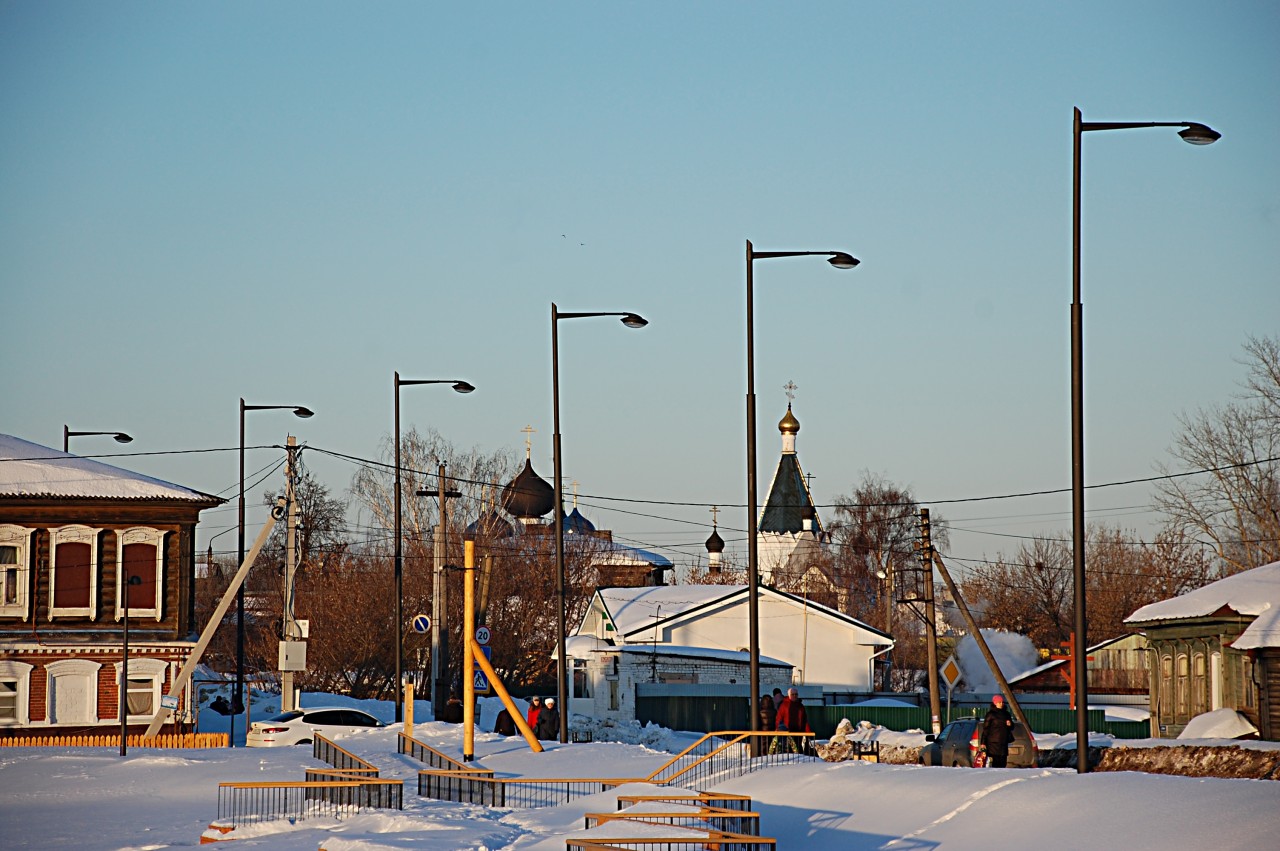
[30, 470]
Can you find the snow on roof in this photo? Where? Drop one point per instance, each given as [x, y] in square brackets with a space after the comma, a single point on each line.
[31, 470]
[619, 554]
[1250, 592]
[1263, 632]
[699, 652]
[636, 608]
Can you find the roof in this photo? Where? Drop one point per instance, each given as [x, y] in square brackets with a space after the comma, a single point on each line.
[611, 552]
[789, 497]
[1054, 663]
[1253, 592]
[33, 471]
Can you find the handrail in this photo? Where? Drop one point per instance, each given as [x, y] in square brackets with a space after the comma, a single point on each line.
[326, 750]
[434, 758]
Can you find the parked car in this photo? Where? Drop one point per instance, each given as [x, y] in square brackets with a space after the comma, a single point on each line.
[958, 743]
[298, 726]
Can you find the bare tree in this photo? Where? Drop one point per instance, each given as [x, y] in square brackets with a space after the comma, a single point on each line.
[1235, 503]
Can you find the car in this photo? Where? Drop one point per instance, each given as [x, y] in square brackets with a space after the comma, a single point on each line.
[299, 726]
[958, 742]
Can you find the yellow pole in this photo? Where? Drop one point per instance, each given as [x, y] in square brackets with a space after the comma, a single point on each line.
[468, 655]
[408, 707]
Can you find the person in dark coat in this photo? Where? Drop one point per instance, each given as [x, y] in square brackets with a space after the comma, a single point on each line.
[548, 721]
[535, 706]
[452, 711]
[767, 713]
[997, 732]
[505, 725]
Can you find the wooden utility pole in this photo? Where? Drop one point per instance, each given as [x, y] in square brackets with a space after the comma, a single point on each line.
[931, 620]
[287, 697]
[982, 642]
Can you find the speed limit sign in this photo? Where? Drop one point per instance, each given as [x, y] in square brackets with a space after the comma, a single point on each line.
[482, 635]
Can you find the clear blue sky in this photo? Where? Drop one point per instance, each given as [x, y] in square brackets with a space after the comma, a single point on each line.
[289, 201]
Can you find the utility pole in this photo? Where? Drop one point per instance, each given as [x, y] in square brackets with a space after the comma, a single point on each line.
[930, 619]
[287, 696]
[440, 598]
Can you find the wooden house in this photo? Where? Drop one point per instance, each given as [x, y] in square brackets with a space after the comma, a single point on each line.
[72, 532]
[1216, 647]
[1118, 666]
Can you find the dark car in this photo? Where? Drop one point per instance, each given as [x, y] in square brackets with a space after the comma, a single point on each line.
[958, 743]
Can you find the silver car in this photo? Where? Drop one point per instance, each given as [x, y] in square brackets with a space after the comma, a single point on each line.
[299, 726]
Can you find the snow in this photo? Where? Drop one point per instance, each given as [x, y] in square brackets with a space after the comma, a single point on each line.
[634, 608]
[1250, 592]
[29, 469]
[1014, 654]
[1218, 724]
[1263, 632]
[93, 799]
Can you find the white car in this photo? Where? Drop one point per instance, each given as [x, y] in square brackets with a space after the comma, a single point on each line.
[298, 726]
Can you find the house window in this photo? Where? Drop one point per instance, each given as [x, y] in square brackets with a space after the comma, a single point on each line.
[15, 678]
[1248, 686]
[581, 679]
[1165, 695]
[73, 575]
[140, 553]
[15, 549]
[73, 691]
[1182, 682]
[146, 679]
[1199, 693]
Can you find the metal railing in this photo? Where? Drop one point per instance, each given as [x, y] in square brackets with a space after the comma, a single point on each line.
[254, 803]
[425, 753]
[691, 817]
[478, 786]
[709, 839]
[724, 755]
[340, 758]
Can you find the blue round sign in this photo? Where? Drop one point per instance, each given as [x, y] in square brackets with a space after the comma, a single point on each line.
[421, 623]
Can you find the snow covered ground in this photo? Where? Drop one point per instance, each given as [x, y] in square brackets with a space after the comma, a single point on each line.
[94, 799]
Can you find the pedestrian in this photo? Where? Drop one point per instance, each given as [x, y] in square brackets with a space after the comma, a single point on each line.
[997, 732]
[548, 721]
[452, 712]
[791, 718]
[505, 725]
[767, 713]
[535, 706]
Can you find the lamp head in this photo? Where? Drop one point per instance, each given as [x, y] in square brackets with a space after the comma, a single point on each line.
[841, 260]
[463, 387]
[303, 413]
[121, 437]
[633, 320]
[1199, 134]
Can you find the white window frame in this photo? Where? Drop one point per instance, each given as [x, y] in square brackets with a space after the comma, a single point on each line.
[18, 537]
[75, 534]
[72, 669]
[18, 673]
[140, 608]
[139, 669]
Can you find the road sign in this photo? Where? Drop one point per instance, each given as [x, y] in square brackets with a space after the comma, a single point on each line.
[950, 672]
[481, 682]
[421, 623]
[483, 635]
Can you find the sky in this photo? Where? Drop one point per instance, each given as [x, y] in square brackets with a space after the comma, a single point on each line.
[289, 202]
[152, 799]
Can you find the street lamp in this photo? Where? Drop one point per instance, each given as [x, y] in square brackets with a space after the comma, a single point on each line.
[840, 260]
[631, 320]
[460, 387]
[117, 436]
[124, 666]
[1195, 134]
[237, 698]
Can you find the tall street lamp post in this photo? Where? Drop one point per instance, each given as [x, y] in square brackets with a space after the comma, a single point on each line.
[237, 701]
[1195, 134]
[124, 666]
[631, 320]
[67, 434]
[460, 387]
[840, 260]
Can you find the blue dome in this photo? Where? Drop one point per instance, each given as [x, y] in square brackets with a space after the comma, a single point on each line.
[575, 523]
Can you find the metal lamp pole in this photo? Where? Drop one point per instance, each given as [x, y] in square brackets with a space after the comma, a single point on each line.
[67, 434]
[840, 260]
[631, 320]
[460, 387]
[1195, 134]
[124, 666]
[237, 700]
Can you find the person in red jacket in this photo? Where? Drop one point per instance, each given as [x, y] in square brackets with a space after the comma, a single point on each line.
[791, 718]
[535, 707]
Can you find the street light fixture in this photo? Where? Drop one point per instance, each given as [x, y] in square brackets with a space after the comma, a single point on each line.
[1195, 134]
[124, 666]
[67, 434]
[839, 260]
[460, 387]
[631, 320]
[237, 701]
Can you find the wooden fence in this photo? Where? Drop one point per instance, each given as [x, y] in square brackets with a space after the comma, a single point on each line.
[165, 740]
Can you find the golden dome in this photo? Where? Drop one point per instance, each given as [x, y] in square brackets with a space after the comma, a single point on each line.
[789, 424]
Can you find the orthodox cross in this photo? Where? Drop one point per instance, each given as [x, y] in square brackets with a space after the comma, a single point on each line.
[808, 481]
[790, 387]
[528, 441]
[575, 493]
[715, 514]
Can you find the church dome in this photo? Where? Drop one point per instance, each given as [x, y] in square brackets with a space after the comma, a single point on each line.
[576, 523]
[490, 525]
[715, 544]
[789, 424]
[528, 496]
